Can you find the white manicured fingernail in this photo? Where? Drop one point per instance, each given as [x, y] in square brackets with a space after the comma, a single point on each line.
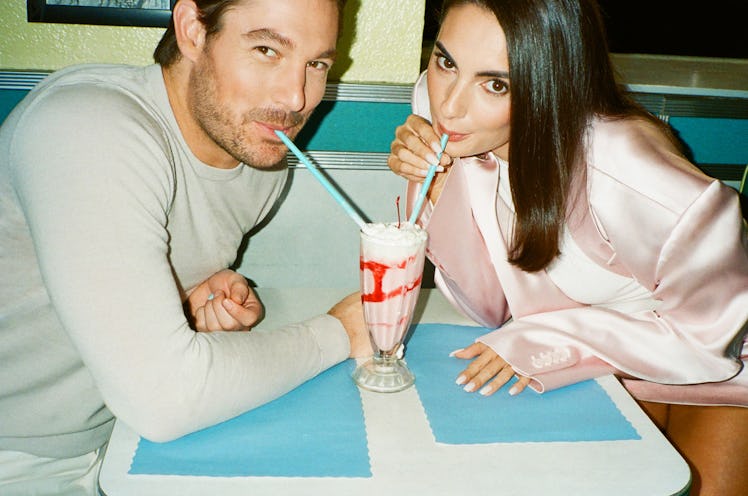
[455, 352]
[461, 380]
[485, 390]
[470, 387]
[513, 390]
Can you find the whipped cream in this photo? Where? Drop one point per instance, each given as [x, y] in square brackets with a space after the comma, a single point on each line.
[389, 234]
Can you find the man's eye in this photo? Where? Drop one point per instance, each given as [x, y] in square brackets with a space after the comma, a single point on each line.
[267, 51]
[319, 65]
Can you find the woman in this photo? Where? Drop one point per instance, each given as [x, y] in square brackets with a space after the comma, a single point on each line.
[566, 208]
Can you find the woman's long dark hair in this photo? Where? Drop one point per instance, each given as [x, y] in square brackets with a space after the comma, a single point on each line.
[561, 76]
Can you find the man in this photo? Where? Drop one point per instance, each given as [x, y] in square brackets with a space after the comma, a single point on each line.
[124, 195]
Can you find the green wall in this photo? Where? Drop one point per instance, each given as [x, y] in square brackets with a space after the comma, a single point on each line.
[381, 38]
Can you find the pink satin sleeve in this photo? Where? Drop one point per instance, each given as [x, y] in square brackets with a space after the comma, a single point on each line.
[696, 334]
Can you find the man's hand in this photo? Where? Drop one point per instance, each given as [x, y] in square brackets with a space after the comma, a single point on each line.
[223, 302]
[350, 312]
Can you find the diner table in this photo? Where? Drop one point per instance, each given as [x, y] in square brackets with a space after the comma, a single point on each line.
[328, 437]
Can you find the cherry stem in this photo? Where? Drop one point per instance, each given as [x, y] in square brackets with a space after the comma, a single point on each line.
[397, 204]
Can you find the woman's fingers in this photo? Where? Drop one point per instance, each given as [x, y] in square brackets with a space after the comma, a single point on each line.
[504, 376]
[471, 351]
[415, 149]
[407, 164]
[480, 371]
[520, 385]
[488, 372]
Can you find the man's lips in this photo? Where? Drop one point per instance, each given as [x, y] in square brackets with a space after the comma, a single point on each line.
[269, 129]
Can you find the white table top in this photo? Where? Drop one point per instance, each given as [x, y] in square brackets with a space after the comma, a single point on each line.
[414, 463]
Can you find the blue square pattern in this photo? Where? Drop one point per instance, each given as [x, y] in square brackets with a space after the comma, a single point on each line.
[317, 430]
[305, 433]
[580, 412]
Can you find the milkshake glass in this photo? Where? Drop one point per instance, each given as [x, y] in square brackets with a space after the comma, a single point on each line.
[391, 266]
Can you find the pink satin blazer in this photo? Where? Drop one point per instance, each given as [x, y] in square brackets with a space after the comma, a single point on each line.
[644, 212]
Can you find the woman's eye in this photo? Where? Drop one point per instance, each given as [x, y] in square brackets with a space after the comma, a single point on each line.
[444, 63]
[497, 87]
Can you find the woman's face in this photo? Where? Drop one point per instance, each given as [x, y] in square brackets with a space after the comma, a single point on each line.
[468, 82]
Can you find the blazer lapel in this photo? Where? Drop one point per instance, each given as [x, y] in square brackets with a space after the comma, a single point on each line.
[523, 290]
[587, 233]
[458, 252]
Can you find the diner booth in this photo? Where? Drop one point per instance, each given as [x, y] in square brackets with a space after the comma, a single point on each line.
[310, 247]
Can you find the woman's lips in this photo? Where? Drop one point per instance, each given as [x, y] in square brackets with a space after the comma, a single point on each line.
[453, 136]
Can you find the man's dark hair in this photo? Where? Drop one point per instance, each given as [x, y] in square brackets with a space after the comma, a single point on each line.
[211, 13]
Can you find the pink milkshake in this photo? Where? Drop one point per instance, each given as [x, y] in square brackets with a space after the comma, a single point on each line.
[391, 270]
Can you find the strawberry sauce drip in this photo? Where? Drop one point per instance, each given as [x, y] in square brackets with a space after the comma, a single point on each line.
[378, 271]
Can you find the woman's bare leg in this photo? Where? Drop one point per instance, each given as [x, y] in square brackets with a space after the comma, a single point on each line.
[657, 412]
[714, 441]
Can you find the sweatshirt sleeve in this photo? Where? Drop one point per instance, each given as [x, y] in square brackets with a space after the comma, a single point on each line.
[97, 215]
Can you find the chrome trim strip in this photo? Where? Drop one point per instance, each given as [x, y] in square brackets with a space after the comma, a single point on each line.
[350, 92]
[343, 160]
[19, 80]
[693, 106]
[671, 105]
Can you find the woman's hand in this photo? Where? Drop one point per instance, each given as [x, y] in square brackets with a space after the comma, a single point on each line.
[415, 148]
[223, 302]
[488, 372]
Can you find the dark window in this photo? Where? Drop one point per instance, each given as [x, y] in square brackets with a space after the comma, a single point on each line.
[715, 28]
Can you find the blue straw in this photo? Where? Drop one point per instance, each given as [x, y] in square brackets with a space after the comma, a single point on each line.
[427, 182]
[322, 179]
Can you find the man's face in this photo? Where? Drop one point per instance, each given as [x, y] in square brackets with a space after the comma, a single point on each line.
[265, 69]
